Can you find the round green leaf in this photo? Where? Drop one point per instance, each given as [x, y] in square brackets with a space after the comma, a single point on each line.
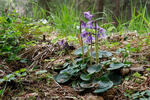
[114, 66]
[103, 86]
[78, 60]
[85, 77]
[79, 50]
[94, 68]
[105, 53]
[94, 54]
[77, 87]
[62, 78]
[70, 70]
[86, 84]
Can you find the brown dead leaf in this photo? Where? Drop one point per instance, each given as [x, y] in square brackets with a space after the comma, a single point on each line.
[137, 69]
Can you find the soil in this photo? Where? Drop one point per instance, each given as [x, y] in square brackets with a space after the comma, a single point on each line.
[46, 55]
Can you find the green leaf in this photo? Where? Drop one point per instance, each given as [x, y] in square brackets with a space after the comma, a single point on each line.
[102, 54]
[23, 74]
[120, 50]
[148, 93]
[136, 74]
[71, 70]
[94, 68]
[62, 78]
[23, 69]
[83, 66]
[111, 28]
[65, 65]
[86, 84]
[85, 77]
[115, 78]
[106, 62]
[40, 72]
[9, 76]
[143, 99]
[104, 85]
[24, 61]
[76, 86]
[78, 60]
[79, 50]
[44, 28]
[114, 66]
[105, 53]
[136, 95]
[94, 54]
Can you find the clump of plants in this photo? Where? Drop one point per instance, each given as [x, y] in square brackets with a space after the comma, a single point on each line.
[92, 68]
[10, 39]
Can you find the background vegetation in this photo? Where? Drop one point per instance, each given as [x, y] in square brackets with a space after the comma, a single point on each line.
[31, 32]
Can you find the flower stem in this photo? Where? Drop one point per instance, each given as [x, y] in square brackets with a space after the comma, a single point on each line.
[91, 54]
[96, 44]
[82, 45]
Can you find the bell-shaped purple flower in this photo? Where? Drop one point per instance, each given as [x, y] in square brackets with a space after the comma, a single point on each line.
[83, 24]
[66, 45]
[101, 30]
[101, 33]
[87, 15]
[97, 27]
[61, 43]
[84, 34]
[90, 24]
[89, 39]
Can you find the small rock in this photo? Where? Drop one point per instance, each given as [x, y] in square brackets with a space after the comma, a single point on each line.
[125, 71]
[91, 97]
[125, 42]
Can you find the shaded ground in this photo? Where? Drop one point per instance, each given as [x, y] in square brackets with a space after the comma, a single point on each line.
[47, 56]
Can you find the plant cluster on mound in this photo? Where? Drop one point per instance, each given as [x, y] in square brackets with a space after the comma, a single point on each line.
[92, 68]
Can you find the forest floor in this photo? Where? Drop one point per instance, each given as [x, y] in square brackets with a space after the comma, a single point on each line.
[44, 56]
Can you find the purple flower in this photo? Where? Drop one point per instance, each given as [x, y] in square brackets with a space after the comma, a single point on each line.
[97, 27]
[66, 45]
[89, 39]
[101, 33]
[101, 30]
[90, 24]
[84, 34]
[87, 15]
[83, 24]
[61, 43]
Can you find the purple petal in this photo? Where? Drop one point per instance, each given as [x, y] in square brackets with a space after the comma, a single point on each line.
[87, 15]
[99, 36]
[101, 33]
[101, 30]
[83, 24]
[61, 43]
[97, 27]
[84, 34]
[90, 24]
[66, 45]
[89, 39]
